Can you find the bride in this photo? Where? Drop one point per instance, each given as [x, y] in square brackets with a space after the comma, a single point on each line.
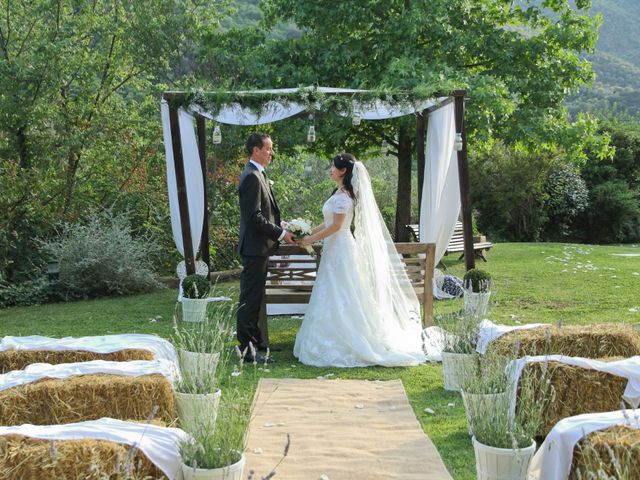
[363, 310]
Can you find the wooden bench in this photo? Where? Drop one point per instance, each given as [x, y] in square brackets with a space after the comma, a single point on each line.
[456, 244]
[290, 281]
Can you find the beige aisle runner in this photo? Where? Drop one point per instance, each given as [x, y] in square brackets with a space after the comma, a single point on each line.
[343, 429]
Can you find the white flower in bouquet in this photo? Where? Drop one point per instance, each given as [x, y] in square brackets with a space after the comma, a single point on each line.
[300, 227]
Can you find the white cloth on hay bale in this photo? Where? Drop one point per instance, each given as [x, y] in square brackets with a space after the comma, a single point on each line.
[161, 348]
[628, 368]
[136, 368]
[489, 331]
[553, 459]
[159, 444]
[435, 337]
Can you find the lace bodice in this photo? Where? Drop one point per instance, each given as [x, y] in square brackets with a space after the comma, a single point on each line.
[339, 202]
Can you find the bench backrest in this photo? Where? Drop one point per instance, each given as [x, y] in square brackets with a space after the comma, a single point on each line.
[296, 271]
[292, 268]
[456, 243]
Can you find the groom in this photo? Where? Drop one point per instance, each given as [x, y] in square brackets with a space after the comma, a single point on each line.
[260, 234]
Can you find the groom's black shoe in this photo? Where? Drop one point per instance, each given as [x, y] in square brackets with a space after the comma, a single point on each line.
[263, 348]
[259, 359]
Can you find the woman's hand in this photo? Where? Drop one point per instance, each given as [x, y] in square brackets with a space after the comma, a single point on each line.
[303, 242]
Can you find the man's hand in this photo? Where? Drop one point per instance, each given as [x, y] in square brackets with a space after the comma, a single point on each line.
[289, 238]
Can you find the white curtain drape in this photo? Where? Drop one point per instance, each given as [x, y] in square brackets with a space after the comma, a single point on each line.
[440, 191]
[272, 112]
[193, 178]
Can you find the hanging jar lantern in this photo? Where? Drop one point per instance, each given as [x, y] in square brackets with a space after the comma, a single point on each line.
[216, 138]
[457, 144]
[311, 135]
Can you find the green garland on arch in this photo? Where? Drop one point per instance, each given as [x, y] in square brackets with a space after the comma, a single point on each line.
[311, 98]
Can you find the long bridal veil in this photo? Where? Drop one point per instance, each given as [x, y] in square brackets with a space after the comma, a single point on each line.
[383, 271]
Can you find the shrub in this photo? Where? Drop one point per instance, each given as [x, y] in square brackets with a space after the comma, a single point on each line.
[195, 286]
[566, 196]
[479, 279]
[613, 216]
[507, 191]
[102, 257]
[30, 292]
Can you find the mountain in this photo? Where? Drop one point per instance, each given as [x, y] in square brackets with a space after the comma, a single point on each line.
[616, 60]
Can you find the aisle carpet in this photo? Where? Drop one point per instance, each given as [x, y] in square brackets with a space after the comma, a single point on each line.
[342, 429]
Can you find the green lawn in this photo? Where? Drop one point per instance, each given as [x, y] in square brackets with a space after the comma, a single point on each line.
[541, 282]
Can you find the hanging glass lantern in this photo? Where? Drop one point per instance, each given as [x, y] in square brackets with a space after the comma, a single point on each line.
[356, 120]
[216, 138]
[457, 144]
[311, 136]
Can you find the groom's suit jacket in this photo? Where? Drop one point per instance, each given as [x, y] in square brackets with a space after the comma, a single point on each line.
[259, 214]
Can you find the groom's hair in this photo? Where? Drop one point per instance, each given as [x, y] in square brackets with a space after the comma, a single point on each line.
[255, 140]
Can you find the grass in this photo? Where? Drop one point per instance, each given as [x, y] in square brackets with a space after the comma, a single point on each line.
[539, 282]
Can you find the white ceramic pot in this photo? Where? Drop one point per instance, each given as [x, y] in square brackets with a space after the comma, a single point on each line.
[194, 309]
[477, 403]
[455, 366]
[198, 411]
[194, 365]
[476, 304]
[502, 463]
[232, 472]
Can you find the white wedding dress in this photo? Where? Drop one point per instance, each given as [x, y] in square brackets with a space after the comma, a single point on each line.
[352, 320]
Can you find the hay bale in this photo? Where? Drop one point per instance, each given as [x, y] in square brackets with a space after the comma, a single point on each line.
[588, 341]
[19, 359]
[88, 397]
[615, 450]
[577, 390]
[28, 458]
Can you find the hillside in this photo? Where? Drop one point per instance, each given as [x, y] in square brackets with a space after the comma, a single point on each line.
[616, 61]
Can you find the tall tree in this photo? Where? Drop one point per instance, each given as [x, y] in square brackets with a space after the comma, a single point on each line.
[517, 60]
[75, 128]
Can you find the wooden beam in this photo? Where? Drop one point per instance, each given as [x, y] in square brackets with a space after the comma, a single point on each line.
[438, 106]
[183, 202]
[463, 177]
[202, 151]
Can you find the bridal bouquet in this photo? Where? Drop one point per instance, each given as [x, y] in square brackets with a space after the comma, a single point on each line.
[300, 226]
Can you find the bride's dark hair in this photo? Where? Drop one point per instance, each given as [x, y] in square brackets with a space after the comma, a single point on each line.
[345, 160]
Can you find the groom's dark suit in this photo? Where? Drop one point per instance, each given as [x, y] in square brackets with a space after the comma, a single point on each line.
[259, 234]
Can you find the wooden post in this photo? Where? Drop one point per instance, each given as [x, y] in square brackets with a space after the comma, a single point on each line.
[428, 285]
[202, 151]
[463, 177]
[421, 123]
[181, 184]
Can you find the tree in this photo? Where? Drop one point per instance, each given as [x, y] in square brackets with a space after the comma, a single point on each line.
[614, 187]
[77, 129]
[518, 60]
